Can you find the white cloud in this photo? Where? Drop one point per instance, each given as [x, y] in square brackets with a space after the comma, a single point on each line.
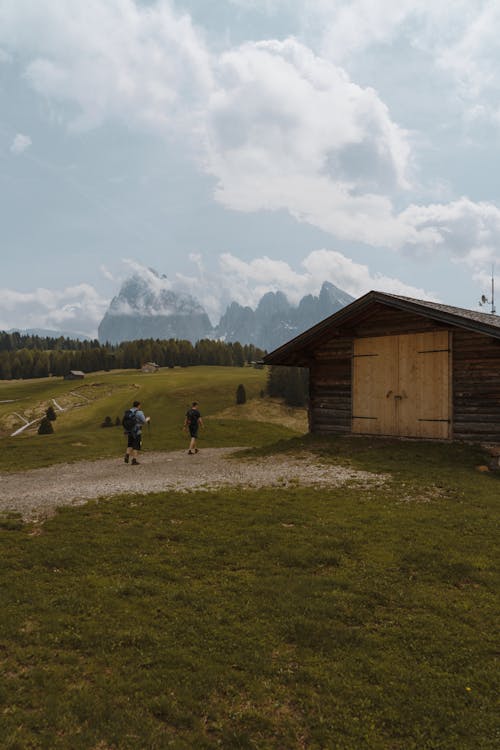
[145, 65]
[348, 27]
[107, 273]
[265, 6]
[246, 282]
[155, 281]
[20, 143]
[460, 38]
[279, 126]
[472, 60]
[466, 231]
[289, 130]
[76, 308]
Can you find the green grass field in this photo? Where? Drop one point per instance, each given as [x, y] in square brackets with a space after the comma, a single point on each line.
[347, 619]
[165, 396]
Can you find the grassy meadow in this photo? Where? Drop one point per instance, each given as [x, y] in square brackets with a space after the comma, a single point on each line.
[345, 618]
[165, 396]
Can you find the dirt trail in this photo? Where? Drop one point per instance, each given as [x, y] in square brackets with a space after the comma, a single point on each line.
[38, 492]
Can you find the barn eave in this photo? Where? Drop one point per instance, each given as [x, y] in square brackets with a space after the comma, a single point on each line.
[299, 351]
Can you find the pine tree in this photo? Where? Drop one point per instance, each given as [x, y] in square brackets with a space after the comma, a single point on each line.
[51, 414]
[289, 383]
[45, 427]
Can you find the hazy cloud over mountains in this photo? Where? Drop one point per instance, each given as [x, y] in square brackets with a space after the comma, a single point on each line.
[77, 309]
[81, 308]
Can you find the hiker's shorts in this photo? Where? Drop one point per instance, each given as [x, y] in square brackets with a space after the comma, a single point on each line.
[193, 431]
[134, 441]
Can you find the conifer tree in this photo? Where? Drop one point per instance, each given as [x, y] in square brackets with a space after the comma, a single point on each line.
[51, 414]
[45, 427]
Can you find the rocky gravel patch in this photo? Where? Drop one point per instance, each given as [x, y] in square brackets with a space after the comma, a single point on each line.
[37, 493]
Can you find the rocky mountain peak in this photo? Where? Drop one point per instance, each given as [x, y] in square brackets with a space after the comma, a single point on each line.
[148, 307]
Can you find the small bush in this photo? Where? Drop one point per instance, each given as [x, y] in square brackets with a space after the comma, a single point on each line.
[45, 427]
[108, 422]
[51, 414]
[241, 396]
[118, 422]
[10, 521]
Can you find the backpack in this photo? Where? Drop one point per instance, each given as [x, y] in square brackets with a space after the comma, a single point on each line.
[129, 420]
[192, 417]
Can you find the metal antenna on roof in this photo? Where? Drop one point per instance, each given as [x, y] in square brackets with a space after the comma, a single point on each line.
[484, 300]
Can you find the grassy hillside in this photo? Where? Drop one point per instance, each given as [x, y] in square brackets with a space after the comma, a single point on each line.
[165, 397]
[354, 619]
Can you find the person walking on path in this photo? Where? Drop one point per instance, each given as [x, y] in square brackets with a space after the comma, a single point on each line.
[192, 423]
[133, 422]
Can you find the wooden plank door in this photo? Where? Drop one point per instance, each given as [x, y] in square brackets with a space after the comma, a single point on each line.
[375, 366]
[401, 385]
[424, 385]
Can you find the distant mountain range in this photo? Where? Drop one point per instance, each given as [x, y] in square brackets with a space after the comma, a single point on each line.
[144, 309]
[275, 320]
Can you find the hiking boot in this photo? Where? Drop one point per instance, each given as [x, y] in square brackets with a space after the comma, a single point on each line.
[190, 453]
[125, 458]
[196, 450]
[135, 462]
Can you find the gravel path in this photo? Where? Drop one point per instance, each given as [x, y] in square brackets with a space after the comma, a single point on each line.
[38, 492]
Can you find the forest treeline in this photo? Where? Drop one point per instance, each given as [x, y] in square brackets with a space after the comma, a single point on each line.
[27, 356]
[290, 384]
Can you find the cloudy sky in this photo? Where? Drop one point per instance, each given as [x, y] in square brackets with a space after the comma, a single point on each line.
[240, 146]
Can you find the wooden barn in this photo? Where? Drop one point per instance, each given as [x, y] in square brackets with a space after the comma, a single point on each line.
[391, 365]
[150, 367]
[74, 375]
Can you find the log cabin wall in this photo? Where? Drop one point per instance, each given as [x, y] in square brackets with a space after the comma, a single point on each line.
[330, 401]
[476, 387]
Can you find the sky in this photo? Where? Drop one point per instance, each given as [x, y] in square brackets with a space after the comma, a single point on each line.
[245, 146]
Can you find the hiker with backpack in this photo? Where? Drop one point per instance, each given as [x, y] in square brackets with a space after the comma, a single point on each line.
[132, 422]
[192, 422]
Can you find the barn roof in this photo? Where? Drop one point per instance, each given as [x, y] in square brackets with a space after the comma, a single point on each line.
[471, 320]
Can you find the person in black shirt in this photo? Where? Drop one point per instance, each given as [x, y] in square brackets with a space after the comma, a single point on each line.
[192, 423]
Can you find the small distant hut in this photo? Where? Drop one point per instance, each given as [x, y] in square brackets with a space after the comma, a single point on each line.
[391, 365]
[150, 367]
[74, 375]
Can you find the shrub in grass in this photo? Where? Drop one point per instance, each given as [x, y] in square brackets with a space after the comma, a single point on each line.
[108, 422]
[51, 414]
[241, 395]
[118, 422]
[10, 521]
[45, 427]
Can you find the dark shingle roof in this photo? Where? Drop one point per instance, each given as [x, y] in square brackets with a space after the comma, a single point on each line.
[471, 320]
[485, 318]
